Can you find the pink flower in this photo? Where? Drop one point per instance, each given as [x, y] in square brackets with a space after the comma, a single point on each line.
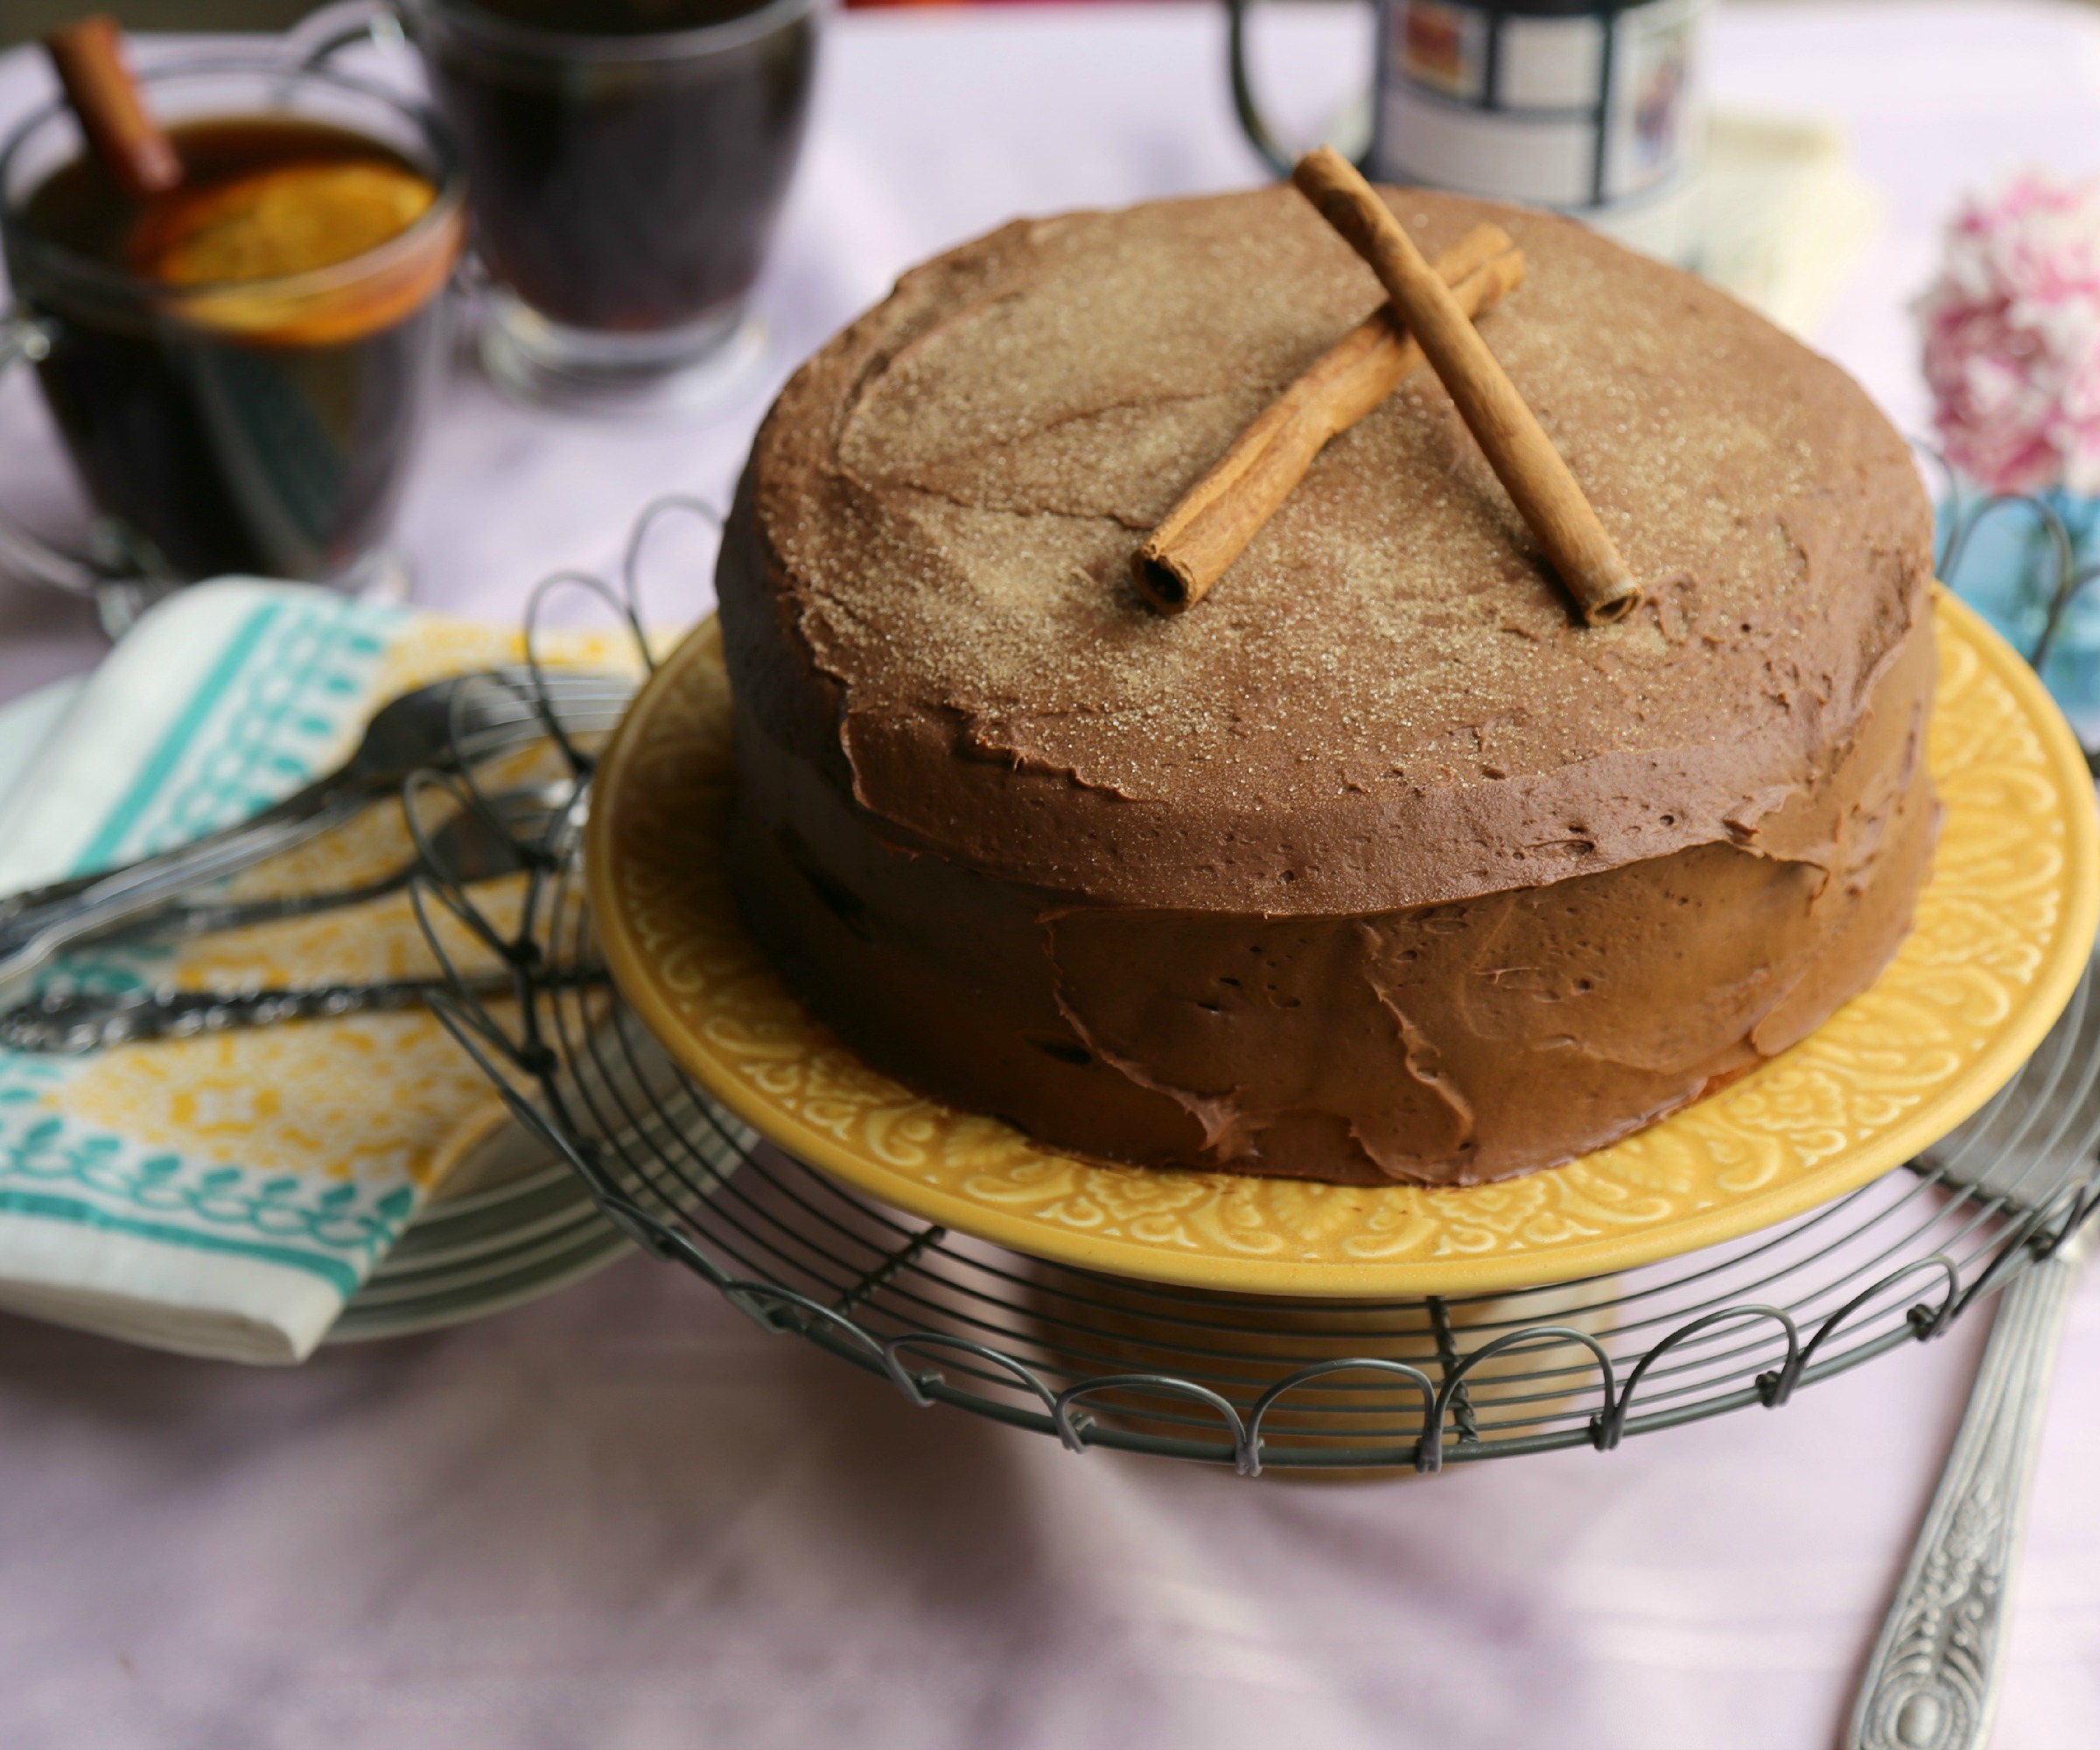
[2011, 332]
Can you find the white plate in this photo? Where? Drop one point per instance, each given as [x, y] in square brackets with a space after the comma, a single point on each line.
[510, 1224]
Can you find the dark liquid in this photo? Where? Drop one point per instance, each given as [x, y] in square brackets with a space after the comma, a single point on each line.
[614, 17]
[210, 453]
[629, 195]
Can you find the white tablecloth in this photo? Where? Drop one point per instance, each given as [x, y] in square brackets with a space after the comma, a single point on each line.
[624, 1518]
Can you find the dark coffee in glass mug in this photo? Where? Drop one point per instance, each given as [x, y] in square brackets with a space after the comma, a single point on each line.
[628, 161]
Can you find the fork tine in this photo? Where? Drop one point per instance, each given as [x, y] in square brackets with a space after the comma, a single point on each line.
[520, 711]
[517, 676]
[478, 739]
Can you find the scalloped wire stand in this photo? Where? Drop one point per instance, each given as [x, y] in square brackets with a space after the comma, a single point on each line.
[1316, 1387]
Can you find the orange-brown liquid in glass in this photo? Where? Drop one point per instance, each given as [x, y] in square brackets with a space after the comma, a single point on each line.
[247, 408]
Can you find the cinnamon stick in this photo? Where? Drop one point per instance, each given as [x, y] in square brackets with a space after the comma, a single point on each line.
[1523, 457]
[88, 57]
[1224, 511]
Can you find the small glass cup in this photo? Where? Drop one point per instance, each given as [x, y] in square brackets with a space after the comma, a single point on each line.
[625, 185]
[262, 426]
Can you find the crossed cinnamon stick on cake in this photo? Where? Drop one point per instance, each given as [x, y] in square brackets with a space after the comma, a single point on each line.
[1430, 317]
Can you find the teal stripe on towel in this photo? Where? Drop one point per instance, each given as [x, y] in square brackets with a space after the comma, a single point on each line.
[335, 1271]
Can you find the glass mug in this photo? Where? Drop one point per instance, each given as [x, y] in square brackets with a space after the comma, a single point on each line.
[1593, 109]
[260, 425]
[627, 161]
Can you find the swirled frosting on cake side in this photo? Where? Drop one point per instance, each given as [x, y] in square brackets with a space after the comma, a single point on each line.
[1377, 866]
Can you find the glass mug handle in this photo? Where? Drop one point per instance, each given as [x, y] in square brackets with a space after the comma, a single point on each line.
[26, 340]
[1260, 135]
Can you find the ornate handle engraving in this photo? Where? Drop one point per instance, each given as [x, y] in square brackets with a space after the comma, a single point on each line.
[81, 1023]
[1932, 1682]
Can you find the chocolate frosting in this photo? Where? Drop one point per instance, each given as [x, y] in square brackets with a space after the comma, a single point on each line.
[1377, 865]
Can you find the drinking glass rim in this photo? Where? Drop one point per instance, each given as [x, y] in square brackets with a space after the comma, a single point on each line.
[443, 211]
[691, 43]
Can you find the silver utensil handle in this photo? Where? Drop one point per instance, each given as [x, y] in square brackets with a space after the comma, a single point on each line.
[179, 922]
[1932, 1684]
[93, 1023]
[36, 925]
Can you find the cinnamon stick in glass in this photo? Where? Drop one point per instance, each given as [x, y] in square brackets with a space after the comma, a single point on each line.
[1224, 511]
[1561, 519]
[88, 57]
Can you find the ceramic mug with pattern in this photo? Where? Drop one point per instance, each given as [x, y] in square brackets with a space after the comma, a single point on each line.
[1592, 108]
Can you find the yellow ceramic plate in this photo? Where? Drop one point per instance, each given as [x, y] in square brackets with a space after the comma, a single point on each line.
[2003, 931]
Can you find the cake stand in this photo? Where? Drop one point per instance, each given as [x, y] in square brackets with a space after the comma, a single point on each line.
[1756, 1247]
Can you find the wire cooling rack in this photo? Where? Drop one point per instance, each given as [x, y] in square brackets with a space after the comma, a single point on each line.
[1258, 1383]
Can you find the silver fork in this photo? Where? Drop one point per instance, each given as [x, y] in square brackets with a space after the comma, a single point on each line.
[1934, 1678]
[439, 727]
[68, 1025]
[474, 843]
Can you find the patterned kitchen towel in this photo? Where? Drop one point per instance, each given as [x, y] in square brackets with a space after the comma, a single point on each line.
[225, 1194]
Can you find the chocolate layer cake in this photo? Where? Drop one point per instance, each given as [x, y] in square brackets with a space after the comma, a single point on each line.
[1377, 866]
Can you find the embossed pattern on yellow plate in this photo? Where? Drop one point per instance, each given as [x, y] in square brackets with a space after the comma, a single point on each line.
[2003, 931]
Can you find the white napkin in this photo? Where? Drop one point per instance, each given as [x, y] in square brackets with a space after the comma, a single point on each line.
[225, 1194]
[1787, 217]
